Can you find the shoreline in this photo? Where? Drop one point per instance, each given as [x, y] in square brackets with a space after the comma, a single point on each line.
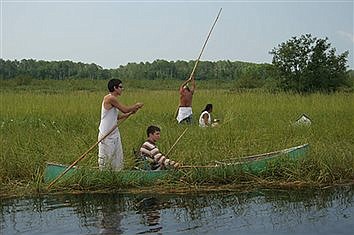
[26, 191]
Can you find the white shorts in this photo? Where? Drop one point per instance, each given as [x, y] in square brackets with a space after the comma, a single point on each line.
[183, 112]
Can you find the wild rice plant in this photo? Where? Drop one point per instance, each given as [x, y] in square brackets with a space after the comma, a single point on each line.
[39, 126]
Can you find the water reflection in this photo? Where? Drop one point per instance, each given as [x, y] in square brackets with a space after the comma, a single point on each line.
[110, 217]
[150, 208]
[101, 211]
[328, 211]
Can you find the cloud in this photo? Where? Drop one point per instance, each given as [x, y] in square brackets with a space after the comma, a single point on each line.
[347, 35]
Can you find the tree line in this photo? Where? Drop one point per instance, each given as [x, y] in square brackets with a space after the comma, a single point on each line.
[58, 70]
[158, 69]
[302, 64]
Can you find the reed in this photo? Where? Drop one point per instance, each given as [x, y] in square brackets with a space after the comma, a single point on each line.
[51, 121]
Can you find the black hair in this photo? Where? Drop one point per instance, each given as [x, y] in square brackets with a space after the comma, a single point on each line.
[208, 107]
[152, 130]
[113, 83]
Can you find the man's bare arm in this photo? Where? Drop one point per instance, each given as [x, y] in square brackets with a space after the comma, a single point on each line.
[125, 109]
[184, 83]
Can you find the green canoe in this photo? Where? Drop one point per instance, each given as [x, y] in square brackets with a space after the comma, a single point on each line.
[252, 164]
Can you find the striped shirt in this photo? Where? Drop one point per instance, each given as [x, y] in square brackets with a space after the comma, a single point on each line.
[153, 155]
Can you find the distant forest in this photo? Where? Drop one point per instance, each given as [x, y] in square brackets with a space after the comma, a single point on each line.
[159, 69]
[246, 75]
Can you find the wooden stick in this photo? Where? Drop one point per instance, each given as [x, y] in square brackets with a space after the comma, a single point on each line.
[197, 166]
[85, 153]
[227, 121]
[200, 54]
[258, 155]
[176, 141]
[262, 155]
[196, 63]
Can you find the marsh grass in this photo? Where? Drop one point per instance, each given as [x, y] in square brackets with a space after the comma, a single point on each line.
[57, 121]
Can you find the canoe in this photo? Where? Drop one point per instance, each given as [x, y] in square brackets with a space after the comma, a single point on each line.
[253, 164]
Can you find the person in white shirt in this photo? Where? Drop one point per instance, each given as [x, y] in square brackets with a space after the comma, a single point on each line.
[205, 117]
[110, 151]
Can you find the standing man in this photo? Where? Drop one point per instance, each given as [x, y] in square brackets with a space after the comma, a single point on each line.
[150, 152]
[185, 101]
[110, 151]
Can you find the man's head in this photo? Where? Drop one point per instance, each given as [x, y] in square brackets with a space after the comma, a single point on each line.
[153, 133]
[114, 84]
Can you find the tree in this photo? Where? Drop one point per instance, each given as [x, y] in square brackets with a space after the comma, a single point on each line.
[309, 64]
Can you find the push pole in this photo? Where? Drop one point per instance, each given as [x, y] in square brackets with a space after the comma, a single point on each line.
[84, 154]
[201, 52]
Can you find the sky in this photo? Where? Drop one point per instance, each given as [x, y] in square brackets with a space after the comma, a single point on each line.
[114, 33]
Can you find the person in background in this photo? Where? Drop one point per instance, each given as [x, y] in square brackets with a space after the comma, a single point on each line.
[110, 151]
[184, 114]
[150, 153]
[205, 117]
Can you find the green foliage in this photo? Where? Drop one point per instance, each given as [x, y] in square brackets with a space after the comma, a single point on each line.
[57, 70]
[59, 126]
[309, 64]
[301, 65]
[157, 70]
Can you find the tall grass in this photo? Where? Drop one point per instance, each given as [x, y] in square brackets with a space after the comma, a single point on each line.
[53, 122]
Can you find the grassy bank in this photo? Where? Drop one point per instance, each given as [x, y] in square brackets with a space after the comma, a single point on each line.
[57, 121]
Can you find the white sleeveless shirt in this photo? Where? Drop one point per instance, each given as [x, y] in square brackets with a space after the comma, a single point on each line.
[108, 120]
[201, 120]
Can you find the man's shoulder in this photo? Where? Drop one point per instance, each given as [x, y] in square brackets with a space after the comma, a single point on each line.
[107, 98]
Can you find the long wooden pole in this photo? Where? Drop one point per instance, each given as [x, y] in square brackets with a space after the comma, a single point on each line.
[197, 166]
[84, 154]
[176, 141]
[201, 52]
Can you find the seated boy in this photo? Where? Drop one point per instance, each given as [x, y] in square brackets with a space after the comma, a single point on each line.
[151, 153]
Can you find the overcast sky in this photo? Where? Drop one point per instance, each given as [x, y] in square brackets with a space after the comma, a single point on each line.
[114, 33]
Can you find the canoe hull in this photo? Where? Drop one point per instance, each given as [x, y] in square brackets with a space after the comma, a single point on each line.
[259, 163]
[252, 164]
[53, 170]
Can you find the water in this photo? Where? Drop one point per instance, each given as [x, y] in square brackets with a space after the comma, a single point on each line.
[327, 211]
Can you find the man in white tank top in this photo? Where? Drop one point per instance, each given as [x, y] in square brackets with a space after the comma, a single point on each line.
[110, 151]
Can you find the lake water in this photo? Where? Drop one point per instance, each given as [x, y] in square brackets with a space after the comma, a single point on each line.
[326, 211]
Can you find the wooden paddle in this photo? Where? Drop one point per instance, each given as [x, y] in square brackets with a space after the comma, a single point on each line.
[84, 154]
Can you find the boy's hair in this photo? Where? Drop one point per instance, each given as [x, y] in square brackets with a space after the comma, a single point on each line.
[113, 83]
[151, 130]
